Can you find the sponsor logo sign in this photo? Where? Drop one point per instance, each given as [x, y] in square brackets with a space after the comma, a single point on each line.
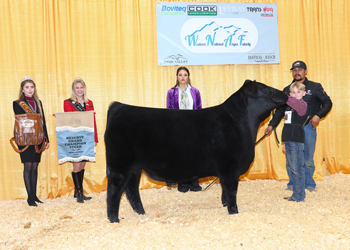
[268, 12]
[220, 33]
[202, 10]
[261, 58]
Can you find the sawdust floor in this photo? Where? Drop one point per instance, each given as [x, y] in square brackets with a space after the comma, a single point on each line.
[175, 220]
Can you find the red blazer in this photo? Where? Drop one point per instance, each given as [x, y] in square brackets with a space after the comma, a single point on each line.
[68, 107]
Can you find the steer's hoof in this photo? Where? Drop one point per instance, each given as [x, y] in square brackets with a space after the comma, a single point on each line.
[140, 211]
[235, 212]
[113, 220]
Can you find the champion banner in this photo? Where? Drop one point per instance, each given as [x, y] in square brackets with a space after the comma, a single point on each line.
[217, 33]
[75, 136]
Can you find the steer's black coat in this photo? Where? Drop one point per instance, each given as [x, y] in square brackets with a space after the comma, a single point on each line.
[178, 145]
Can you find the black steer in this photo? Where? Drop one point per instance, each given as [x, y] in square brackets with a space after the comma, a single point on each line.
[179, 145]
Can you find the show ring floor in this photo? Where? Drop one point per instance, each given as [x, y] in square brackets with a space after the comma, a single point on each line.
[174, 220]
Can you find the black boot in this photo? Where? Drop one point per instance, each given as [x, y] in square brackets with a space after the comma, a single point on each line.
[194, 186]
[75, 189]
[78, 187]
[183, 186]
[82, 179]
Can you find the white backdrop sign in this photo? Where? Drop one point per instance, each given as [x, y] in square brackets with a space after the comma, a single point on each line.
[217, 33]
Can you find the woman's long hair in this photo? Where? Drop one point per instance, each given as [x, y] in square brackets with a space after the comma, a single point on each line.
[35, 95]
[73, 96]
[177, 73]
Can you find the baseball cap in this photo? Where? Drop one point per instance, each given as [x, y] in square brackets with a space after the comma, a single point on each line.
[298, 64]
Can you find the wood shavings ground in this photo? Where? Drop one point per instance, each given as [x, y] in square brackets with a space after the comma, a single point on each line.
[174, 220]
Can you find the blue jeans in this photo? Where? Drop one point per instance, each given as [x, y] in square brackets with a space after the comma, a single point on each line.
[309, 150]
[295, 157]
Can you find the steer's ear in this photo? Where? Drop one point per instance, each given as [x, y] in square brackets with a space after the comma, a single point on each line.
[247, 81]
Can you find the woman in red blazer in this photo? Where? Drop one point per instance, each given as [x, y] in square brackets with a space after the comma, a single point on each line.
[79, 102]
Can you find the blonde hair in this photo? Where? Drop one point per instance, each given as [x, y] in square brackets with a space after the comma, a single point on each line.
[73, 96]
[298, 85]
[35, 95]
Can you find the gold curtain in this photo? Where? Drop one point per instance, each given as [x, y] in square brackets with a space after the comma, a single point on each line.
[112, 45]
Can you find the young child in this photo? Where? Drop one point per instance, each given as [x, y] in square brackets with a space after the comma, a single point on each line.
[296, 116]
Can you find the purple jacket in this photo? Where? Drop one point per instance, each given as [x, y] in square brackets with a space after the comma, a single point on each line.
[172, 100]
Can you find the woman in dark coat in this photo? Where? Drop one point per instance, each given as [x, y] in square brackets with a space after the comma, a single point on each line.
[29, 157]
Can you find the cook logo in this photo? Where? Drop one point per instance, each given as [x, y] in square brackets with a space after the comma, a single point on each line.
[202, 10]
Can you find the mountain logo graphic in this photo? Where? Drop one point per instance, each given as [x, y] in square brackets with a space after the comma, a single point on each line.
[219, 35]
[176, 57]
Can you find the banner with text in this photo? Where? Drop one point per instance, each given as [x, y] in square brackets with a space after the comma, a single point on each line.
[217, 33]
[75, 136]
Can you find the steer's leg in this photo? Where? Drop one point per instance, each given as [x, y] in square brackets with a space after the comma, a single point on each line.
[116, 185]
[113, 199]
[229, 189]
[132, 192]
[223, 198]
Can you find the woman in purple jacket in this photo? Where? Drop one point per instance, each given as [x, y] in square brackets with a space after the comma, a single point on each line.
[184, 96]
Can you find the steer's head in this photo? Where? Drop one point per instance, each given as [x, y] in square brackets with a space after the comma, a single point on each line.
[259, 90]
[263, 99]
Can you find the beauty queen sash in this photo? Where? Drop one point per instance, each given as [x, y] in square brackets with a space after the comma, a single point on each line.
[76, 105]
[75, 136]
